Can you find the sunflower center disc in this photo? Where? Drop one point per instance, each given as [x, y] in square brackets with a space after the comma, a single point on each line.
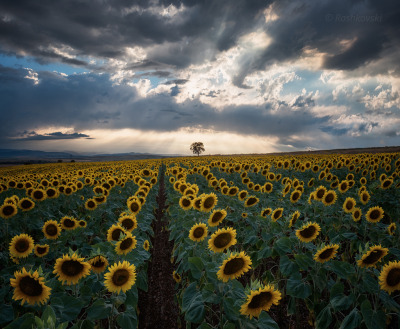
[375, 214]
[349, 206]
[51, 230]
[373, 257]
[41, 250]
[308, 232]
[251, 201]
[126, 243]
[216, 218]
[22, 245]
[208, 203]
[277, 214]
[186, 203]
[393, 277]
[120, 277]
[128, 223]
[198, 232]
[116, 233]
[38, 195]
[8, 210]
[71, 267]
[326, 253]
[260, 300]
[233, 266]
[222, 240]
[26, 204]
[31, 287]
[69, 223]
[134, 207]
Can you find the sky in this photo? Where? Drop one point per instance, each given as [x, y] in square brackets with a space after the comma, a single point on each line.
[241, 76]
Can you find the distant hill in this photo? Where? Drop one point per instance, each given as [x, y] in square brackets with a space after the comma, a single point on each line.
[13, 156]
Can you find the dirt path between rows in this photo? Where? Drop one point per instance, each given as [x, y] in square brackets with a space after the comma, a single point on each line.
[158, 307]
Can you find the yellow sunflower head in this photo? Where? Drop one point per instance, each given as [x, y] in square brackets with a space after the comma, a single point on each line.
[26, 204]
[21, 245]
[90, 204]
[41, 250]
[70, 269]
[68, 223]
[234, 266]
[266, 212]
[222, 239]
[198, 232]
[319, 192]
[216, 217]
[391, 229]
[120, 276]
[389, 278]
[176, 277]
[146, 245]
[326, 253]
[128, 222]
[372, 256]
[98, 263]
[114, 232]
[125, 245]
[185, 202]
[295, 196]
[294, 218]
[329, 198]
[308, 232]
[51, 229]
[242, 195]
[208, 202]
[29, 287]
[276, 214]
[260, 300]
[364, 197]
[251, 201]
[374, 214]
[349, 204]
[8, 210]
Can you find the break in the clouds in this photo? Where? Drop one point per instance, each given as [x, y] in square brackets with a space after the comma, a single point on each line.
[154, 75]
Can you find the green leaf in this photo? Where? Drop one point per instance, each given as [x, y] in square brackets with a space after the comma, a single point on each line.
[128, 319]
[286, 266]
[324, 318]
[6, 313]
[67, 307]
[295, 287]
[230, 312]
[265, 321]
[352, 320]
[372, 319]
[196, 267]
[265, 252]
[304, 261]
[283, 246]
[141, 281]
[63, 325]
[25, 321]
[99, 310]
[342, 302]
[337, 289]
[49, 314]
[370, 283]
[389, 302]
[192, 304]
[204, 325]
[39, 323]
[342, 269]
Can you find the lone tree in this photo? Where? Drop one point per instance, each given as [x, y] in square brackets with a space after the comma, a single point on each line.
[197, 148]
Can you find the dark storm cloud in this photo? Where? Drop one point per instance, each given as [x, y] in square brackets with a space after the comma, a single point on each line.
[33, 136]
[90, 101]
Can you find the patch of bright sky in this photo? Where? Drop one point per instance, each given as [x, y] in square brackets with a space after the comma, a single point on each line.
[29, 62]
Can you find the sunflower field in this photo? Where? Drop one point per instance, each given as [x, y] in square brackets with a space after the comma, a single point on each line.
[257, 241]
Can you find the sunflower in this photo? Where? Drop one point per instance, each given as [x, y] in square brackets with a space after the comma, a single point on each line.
[198, 232]
[128, 222]
[343, 186]
[234, 266]
[41, 250]
[26, 204]
[295, 196]
[319, 192]
[120, 276]
[29, 287]
[8, 210]
[356, 214]
[100, 199]
[146, 245]
[326, 253]
[98, 263]
[21, 245]
[266, 212]
[51, 229]
[389, 278]
[391, 228]
[185, 203]
[372, 256]
[134, 205]
[70, 269]
[222, 239]
[276, 214]
[208, 202]
[364, 197]
[329, 198]
[268, 187]
[52, 193]
[176, 277]
[308, 232]
[386, 183]
[217, 217]
[348, 205]
[310, 182]
[68, 223]
[242, 195]
[374, 214]
[259, 300]
[114, 232]
[126, 244]
[251, 201]
[90, 204]
[294, 218]
[38, 194]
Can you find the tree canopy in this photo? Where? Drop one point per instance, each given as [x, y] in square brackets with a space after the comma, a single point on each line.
[197, 148]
